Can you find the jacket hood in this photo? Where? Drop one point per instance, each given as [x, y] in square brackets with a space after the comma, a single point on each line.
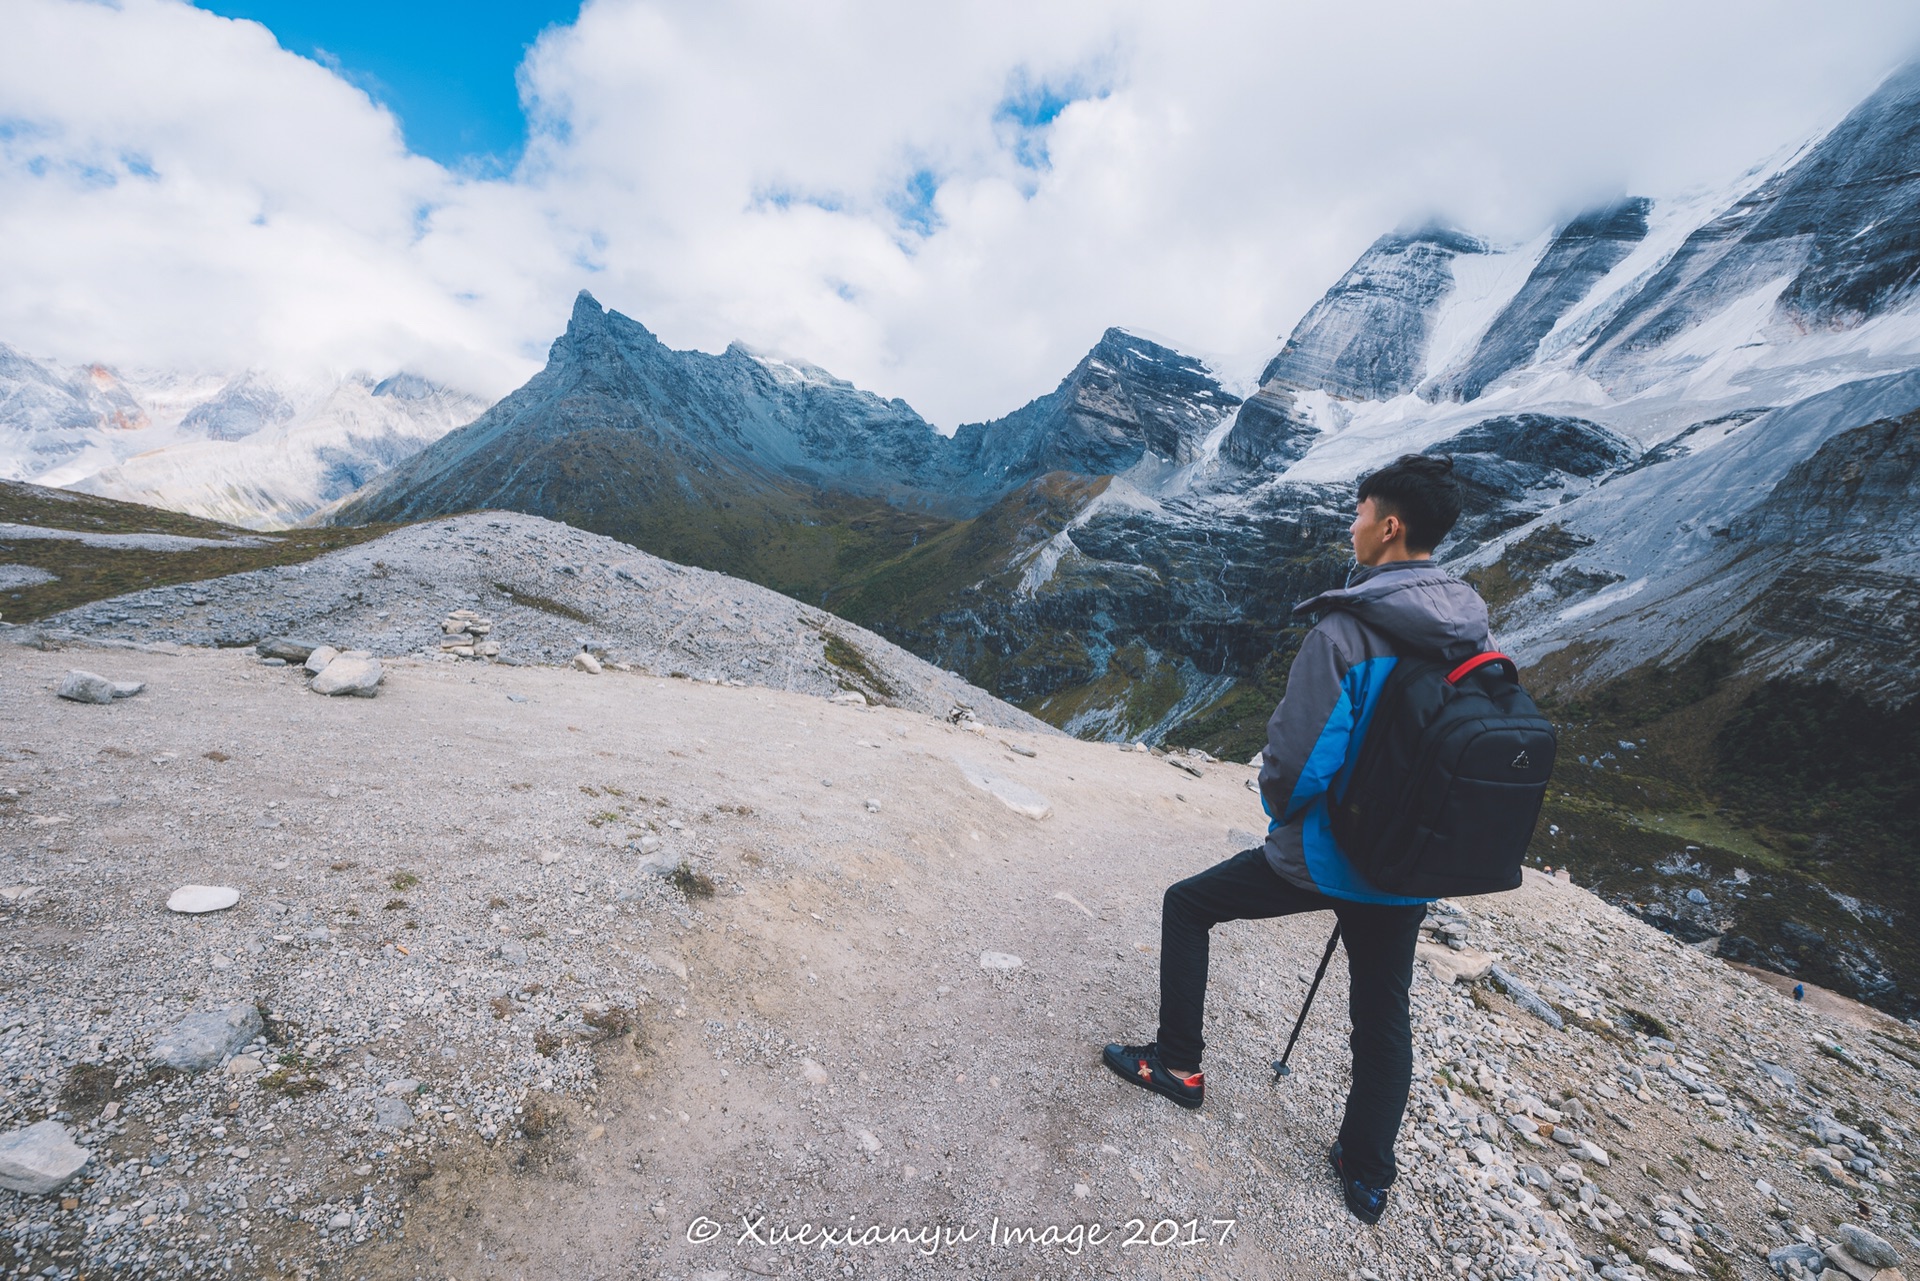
[1419, 605]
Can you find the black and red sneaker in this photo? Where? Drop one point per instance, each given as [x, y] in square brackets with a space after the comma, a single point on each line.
[1364, 1203]
[1140, 1065]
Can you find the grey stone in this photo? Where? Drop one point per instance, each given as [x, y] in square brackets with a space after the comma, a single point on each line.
[86, 687]
[127, 689]
[1000, 961]
[39, 1159]
[285, 647]
[389, 1113]
[1525, 997]
[1698, 897]
[513, 952]
[317, 661]
[350, 674]
[1866, 1246]
[201, 1041]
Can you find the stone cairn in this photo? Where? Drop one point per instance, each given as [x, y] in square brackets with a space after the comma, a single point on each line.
[464, 634]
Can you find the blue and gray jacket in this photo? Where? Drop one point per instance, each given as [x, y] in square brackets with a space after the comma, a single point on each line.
[1314, 738]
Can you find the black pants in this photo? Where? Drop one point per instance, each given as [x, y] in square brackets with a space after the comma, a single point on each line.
[1379, 945]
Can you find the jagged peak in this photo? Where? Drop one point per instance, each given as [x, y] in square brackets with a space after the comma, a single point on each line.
[587, 312]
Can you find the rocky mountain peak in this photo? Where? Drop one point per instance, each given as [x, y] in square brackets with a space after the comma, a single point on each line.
[1128, 398]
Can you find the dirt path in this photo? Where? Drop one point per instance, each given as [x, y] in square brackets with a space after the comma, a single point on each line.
[814, 1042]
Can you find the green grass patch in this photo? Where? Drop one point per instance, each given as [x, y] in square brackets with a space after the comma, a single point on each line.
[545, 604]
[84, 574]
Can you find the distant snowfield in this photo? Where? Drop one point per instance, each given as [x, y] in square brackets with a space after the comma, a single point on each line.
[256, 449]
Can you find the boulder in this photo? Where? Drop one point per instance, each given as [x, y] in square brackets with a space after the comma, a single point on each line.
[1866, 1246]
[285, 647]
[86, 687]
[201, 1041]
[39, 1159]
[317, 661]
[350, 674]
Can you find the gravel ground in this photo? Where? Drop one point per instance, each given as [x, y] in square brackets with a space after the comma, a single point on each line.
[550, 591]
[459, 897]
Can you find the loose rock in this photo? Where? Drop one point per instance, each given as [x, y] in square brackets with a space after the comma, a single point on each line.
[350, 674]
[193, 899]
[86, 687]
[39, 1159]
[201, 1041]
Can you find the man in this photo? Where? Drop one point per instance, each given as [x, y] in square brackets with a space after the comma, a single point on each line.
[1396, 602]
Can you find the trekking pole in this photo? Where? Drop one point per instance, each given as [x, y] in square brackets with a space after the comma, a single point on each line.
[1280, 1067]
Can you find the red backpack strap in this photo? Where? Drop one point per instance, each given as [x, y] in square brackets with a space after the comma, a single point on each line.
[1479, 661]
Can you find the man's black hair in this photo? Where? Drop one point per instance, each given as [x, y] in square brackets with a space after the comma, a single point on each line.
[1421, 491]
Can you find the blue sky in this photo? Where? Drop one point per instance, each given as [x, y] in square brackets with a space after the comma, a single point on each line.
[445, 68]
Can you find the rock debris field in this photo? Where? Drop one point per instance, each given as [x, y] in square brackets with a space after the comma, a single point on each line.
[537, 972]
[546, 592]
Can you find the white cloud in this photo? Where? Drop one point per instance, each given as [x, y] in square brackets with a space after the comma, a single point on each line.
[176, 189]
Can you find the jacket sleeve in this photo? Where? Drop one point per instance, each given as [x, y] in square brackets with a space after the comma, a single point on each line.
[1307, 737]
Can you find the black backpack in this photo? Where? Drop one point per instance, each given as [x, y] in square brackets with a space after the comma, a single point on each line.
[1450, 780]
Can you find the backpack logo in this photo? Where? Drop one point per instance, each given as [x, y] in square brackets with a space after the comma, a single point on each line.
[1523, 761]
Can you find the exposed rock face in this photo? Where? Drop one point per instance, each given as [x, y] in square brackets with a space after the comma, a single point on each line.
[1367, 338]
[1585, 250]
[1270, 431]
[50, 415]
[1861, 488]
[241, 408]
[1836, 226]
[1126, 399]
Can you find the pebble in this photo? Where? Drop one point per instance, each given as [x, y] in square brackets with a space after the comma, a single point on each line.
[194, 899]
[39, 1159]
[1000, 961]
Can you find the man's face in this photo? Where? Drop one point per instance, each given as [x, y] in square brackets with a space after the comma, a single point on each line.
[1373, 532]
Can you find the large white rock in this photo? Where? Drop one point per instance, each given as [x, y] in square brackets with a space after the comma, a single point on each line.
[587, 663]
[350, 674]
[202, 898]
[318, 660]
[39, 1159]
[1017, 797]
[86, 687]
[201, 1041]
[1449, 966]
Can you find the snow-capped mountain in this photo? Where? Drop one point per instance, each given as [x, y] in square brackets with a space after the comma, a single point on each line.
[256, 449]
